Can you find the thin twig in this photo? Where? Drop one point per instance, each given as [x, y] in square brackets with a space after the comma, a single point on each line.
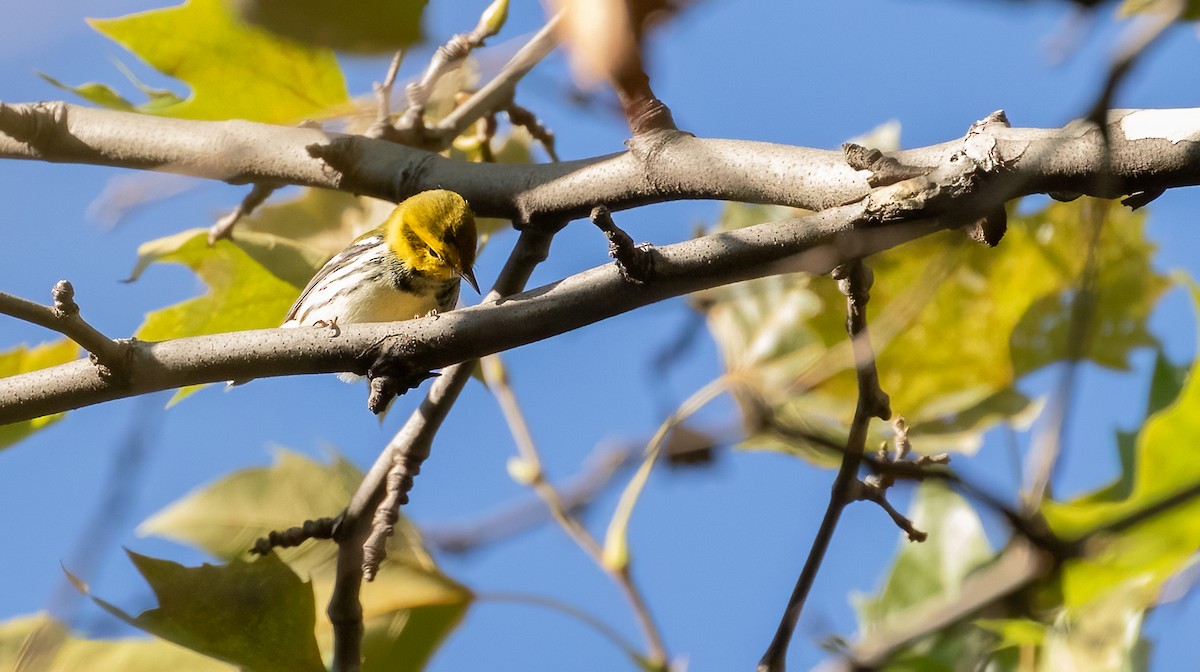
[854, 281]
[499, 91]
[223, 227]
[571, 611]
[520, 116]
[108, 355]
[383, 94]
[527, 469]
[410, 128]
[413, 439]
[576, 494]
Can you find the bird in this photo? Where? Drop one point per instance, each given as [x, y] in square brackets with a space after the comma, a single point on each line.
[409, 266]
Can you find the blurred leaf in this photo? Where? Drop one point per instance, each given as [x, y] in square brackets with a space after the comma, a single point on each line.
[934, 568]
[48, 646]
[1104, 635]
[953, 330]
[242, 294]
[364, 26]
[1191, 11]
[235, 71]
[225, 519]
[257, 615]
[23, 359]
[94, 92]
[1014, 631]
[1158, 467]
[319, 220]
[420, 632]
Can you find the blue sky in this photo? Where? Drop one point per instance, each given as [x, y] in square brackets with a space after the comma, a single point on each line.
[716, 550]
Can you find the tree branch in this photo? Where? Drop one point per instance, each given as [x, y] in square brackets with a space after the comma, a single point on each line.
[109, 356]
[813, 244]
[399, 463]
[854, 280]
[1151, 149]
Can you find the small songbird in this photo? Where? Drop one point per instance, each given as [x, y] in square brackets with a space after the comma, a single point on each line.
[408, 266]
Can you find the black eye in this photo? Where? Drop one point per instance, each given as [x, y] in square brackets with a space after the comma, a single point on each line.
[433, 253]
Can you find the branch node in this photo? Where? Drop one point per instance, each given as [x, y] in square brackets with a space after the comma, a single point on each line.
[520, 116]
[63, 294]
[223, 227]
[321, 528]
[1141, 199]
[875, 493]
[884, 169]
[389, 382]
[636, 262]
[990, 228]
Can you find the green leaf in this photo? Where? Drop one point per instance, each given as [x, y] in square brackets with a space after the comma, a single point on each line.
[23, 359]
[243, 294]
[94, 92]
[235, 71]
[318, 220]
[1191, 10]
[225, 518]
[953, 331]
[409, 591]
[1104, 635]
[364, 26]
[934, 568]
[38, 643]
[257, 615]
[931, 571]
[1016, 632]
[1158, 468]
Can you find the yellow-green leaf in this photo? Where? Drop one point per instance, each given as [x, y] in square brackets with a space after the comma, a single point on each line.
[363, 26]
[47, 645]
[1191, 10]
[1159, 470]
[954, 324]
[257, 615]
[409, 591]
[320, 220]
[931, 569]
[242, 293]
[23, 359]
[234, 70]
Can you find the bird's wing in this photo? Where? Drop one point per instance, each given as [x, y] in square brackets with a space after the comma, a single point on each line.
[339, 260]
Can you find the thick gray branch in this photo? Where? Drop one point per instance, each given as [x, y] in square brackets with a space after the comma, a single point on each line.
[816, 243]
[1150, 149]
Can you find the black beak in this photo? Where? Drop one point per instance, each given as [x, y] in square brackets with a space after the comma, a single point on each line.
[469, 276]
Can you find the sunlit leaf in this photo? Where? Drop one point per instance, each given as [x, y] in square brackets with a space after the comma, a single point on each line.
[933, 568]
[1191, 10]
[23, 359]
[94, 92]
[40, 644]
[257, 615]
[320, 220]
[1103, 635]
[1158, 471]
[242, 294]
[235, 71]
[225, 519]
[928, 571]
[953, 328]
[1014, 631]
[364, 26]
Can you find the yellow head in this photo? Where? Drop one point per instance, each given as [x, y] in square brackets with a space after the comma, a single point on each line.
[433, 233]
